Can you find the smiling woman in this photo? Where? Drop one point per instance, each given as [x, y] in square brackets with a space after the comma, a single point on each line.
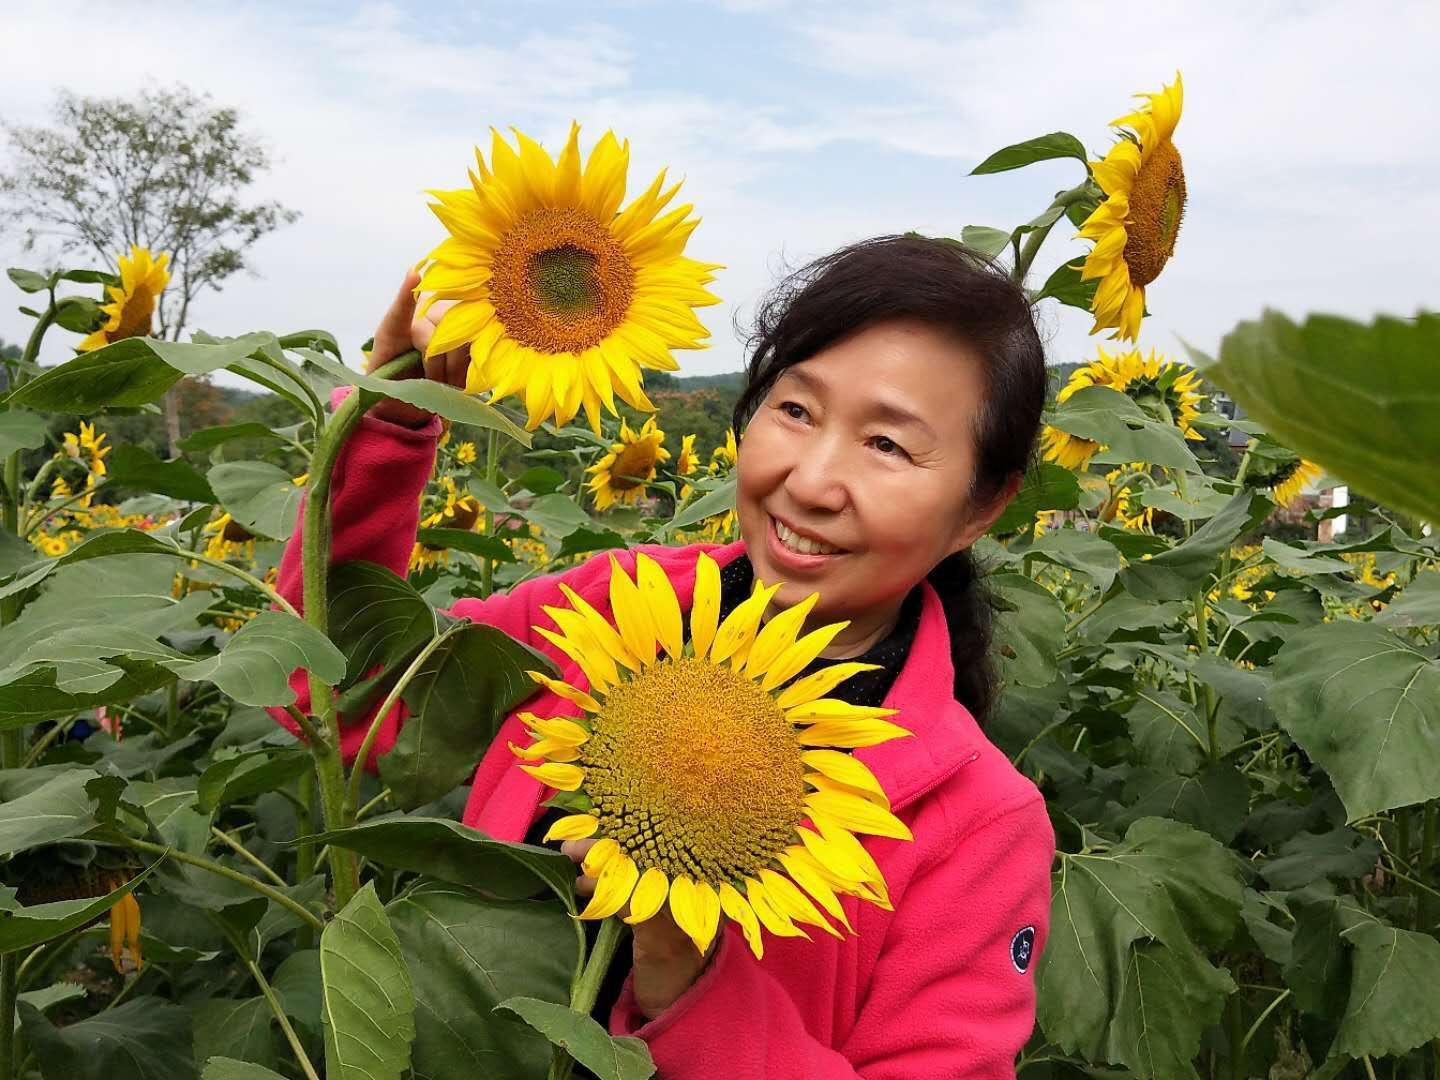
[892, 403]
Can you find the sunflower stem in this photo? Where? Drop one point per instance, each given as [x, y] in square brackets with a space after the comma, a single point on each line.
[1037, 237]
[582, 998]
[315, 535]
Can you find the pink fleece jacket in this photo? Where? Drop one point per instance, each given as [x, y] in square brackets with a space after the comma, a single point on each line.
[942, 987]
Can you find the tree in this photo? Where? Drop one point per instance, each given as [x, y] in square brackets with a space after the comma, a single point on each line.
[165, 170]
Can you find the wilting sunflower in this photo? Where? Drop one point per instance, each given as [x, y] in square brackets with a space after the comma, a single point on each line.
[143, 278]
[562, 296]
[687, 462]
[621, 475]
[1292, 479]
[1165, 389]
[699, 768]
[1134, 229]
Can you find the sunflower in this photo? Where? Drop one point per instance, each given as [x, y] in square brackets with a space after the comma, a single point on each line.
[88, 446]
[458, 512]
[1134, 229]
[228, 539]
[1119, 507]
[465, 454]
[560, 297]
[1165, 389]
[1292, 479]
[698, 769]
[724, 457]
[621, 475]
[687, 462]
[143, 278]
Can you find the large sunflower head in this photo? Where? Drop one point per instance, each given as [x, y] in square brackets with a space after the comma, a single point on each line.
[1134, 229]
[621, 475]
[710, 782]
[562, 296]
[143, 278]
[1167, 390]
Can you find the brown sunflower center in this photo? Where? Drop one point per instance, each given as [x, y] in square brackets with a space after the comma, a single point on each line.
[633, 466]
[695, 770]
[135, 315]
[1157, 203]
[561, 282]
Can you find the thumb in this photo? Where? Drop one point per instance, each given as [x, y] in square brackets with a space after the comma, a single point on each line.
[392, 336]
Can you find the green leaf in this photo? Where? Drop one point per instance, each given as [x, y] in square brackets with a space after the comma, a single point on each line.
[1359, 400]
[255, 665]
[556, 514]
[540, 480]
[1310, 857]
[1215, 800]
[48, 997]
[426, 394]
[1183, 568]
[987, 241]
[1365, 705]
[1418, 605]
[247, 775]
[258, 495]
[146, 1038]
[1123, 613]
[20, 430]
[223, 1068]
[457, 701]
[211, 437]
[301, 990]
[1066, 286]
[23, 927]
[1393, 1006]
[585, 540]
[1319, 967]
[1057, 144]
[375, 617]
[474, 543]
[369, 1006]
[452, 852]
[1166, 731]
[136, 467]
[1081, 551]
[1165, 885]
[708, 505]
[78, 314]
[1047, 486]
[235, 1028]
[607, 1056]
[1028, 630]
[28, 280]
[51, 812]
[466, 955]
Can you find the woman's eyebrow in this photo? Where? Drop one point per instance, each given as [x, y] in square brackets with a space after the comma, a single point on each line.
[883, 410]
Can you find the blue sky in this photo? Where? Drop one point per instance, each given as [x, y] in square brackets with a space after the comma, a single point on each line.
[1309, 146]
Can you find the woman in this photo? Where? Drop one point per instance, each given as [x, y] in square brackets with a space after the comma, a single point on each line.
[892, 400]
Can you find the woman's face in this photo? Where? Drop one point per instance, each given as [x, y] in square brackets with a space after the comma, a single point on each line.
[855, 471]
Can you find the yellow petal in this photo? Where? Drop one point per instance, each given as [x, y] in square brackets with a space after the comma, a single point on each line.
[834, 709]
[856, 814]
[660, 600]
[560, 729]
[800, 655]
[738, 909]
[559, 776]
[849, 733]
[843, 768]
[705, 606]
[735, 634]
[776, 636]
[566, 691]
[573, 827]
[800, 865]
[823, 783]
[696, 910]
[594, 661]
[770, 916]
[820, 683]
[612, 887]
[785, 895]
[631, 615]
[838, 861]
[548, 749]
[600, 628]
[600, 853]
[853, 849]
[648, 896]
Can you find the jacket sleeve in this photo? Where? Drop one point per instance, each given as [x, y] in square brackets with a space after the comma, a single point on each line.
[947, 998]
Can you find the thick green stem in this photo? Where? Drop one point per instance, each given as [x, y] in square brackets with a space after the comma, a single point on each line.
[582, 999]
[1036, 238]
[315, 546]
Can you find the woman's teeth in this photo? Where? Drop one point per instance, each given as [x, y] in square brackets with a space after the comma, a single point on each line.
[801, 545]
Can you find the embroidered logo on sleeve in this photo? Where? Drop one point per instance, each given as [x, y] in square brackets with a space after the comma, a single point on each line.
[1022, 948]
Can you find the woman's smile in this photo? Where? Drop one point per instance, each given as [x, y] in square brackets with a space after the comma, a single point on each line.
[802, 551]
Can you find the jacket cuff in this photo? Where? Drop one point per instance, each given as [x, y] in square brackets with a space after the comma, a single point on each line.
[627, 1019]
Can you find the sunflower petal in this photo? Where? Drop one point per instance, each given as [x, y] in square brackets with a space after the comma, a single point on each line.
[739, 910]
[856, 814]
[632, 617]
[770, 916]
[705, 606]
[600, 853]
[608, 637]
[613, 887]
[776, 636]
[564, 690]
[834, 709]
[843, 768]
[735, 634]
[800, 655]
[649, 895]
[820, 683]
[557, 775]
[573, 827]
[696, 910]
[661, 602]
[801, 866]
[785, 895]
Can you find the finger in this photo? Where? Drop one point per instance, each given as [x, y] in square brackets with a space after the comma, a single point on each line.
[576, 849]
[457, 365]
[392, 336]
[585, 885]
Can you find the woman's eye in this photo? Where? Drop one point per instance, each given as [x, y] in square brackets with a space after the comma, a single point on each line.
[793, 410]
[888, 446]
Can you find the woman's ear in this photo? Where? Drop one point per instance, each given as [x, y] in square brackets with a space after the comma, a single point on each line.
[985, 514]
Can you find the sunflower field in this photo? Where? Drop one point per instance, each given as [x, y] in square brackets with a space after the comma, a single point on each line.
[1236, 725]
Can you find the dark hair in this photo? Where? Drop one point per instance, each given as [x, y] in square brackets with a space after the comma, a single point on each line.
[951, 288]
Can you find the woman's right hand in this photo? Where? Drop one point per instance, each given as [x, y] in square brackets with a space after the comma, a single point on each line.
[398, 332]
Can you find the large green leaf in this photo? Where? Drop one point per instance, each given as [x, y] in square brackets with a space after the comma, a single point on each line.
[20, 430]
[1183, 568]
[255, 665]
[1028, 629]
[1082, 551]
[467, 954]
[135, 467]
[1166, 885]
[457, 701]
[1216, 799]
[247, 775]
[1057, 144]
[721, 499]
[211, 437]
[1126, 431]
[375, 617]
[369, 1006]
[1359, 400]
[1393, 1006]
[222, 1068]
[987, 241]
[455, 853]
[1319, 967]
[473, 543]
[1166, 731]
[57, 809]
[146, 1038]
[237, 1028]
[1418, 605]
[1365, 705]
[260, 496]
[608, 1057]
[556, 514]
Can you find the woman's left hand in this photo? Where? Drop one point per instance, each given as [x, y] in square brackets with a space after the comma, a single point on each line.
[666, 960]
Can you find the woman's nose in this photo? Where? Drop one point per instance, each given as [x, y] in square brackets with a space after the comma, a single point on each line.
[817, 479]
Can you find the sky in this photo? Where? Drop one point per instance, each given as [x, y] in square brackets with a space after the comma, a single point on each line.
[1308, 137]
